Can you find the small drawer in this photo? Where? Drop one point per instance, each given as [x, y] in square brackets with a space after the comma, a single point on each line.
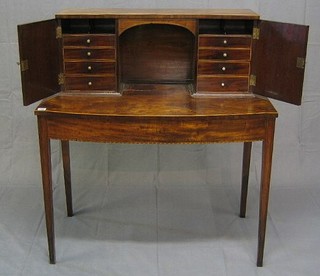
[222, 84]
[217, 68]
[224, 54]
[88, 53]
[90, 67]
[91, 83]
[89, 40]
[224, 41]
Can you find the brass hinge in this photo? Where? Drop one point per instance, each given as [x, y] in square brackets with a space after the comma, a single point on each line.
[301, 62]
[24, 65]
[253, 80]
[58, 32]
[256, 33]
[61, 79]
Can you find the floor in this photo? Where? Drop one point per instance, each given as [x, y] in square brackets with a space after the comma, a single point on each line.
[139, 223]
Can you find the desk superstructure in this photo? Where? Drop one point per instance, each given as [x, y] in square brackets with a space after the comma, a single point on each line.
[159, 76]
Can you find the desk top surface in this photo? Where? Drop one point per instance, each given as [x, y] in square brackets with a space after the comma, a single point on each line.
[159, 13]
[146, 101]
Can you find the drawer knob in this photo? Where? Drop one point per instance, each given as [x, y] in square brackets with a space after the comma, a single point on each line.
[89, 83]
[225, 41]
[88, 41]
[225, 54]
[223, 84]
[88, 54]
[89, 67]
[223, 68]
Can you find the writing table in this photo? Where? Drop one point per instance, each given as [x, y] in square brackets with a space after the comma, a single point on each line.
[155, 114]
[160, 76]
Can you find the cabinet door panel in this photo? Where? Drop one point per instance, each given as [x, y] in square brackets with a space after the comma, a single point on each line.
[39, 60]
[278, 61]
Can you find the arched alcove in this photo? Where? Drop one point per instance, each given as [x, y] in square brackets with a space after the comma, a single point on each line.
[157, 53]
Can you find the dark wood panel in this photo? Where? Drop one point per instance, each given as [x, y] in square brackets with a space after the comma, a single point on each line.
[279, 74]
[233, 68]
[89, 40]
[159, 13]
[156, 100]
[40, 58]
[88, 26]
[88, 53]
[225, 41]
[157, 53]
[223, 27]
[83, 67]
[222, 84]
[91, 83]
[156, 130]
[124, 24]
[224, 54]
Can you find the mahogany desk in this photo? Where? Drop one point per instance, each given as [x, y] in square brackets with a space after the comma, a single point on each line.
[94, 62]
[155, 114]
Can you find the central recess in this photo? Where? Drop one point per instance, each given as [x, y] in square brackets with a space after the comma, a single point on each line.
[157, 53]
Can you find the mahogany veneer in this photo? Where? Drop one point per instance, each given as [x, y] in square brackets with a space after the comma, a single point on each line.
[159, 76]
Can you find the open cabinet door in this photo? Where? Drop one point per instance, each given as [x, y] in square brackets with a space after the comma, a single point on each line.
[39, 60]
[279, 60]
